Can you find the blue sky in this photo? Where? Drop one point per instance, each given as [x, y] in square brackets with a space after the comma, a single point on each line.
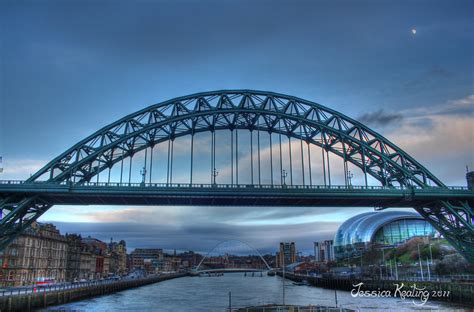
[70, 67]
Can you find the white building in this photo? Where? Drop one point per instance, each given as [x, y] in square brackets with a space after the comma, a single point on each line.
[324, 251]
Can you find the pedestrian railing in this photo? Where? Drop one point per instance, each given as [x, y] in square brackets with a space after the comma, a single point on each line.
[224, 186]
[15, 291]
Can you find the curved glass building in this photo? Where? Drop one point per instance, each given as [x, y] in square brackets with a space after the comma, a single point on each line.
[384, 228]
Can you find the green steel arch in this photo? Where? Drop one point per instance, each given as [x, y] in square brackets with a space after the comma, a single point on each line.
[251, 110]
[240, 109]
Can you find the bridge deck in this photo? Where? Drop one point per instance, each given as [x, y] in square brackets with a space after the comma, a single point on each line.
[228, 195]
[230, 270]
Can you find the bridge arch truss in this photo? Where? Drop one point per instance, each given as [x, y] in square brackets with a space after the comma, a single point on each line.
[235, 110]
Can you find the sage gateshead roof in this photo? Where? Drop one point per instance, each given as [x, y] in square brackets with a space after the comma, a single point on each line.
[379, 228]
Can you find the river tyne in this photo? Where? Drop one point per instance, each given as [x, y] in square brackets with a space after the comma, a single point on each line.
[212, 294]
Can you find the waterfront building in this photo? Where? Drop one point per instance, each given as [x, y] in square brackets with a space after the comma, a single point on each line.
[317, 254]
[189, 259]
[80, 261]
[154, 256]
[324, 251]
[106, 266]
[149, 266]
[168, 264]
[118, 257]
[175, 262]
[147, 253]
[303, 267]
[100, 258]
[379, 229]
[134, 263]
[87, 266]
[39, 252]
[286, 254]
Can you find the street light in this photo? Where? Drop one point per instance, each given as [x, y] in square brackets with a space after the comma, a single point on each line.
[215, 173]
[350, 175]
[143, 173]
[284, 174]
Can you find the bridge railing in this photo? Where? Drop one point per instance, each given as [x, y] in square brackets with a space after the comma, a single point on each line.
[233, 186]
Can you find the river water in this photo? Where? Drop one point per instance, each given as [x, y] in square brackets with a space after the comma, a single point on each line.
[212, 294]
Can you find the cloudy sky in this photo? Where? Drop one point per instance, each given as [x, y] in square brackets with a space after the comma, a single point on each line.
[69, 68]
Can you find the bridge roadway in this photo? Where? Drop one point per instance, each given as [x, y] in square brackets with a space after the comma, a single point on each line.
[102, 193]
[229, 270]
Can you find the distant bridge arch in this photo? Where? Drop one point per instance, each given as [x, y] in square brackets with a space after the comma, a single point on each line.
[232, 269]
[404, 182]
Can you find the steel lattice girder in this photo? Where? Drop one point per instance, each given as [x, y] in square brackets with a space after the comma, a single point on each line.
[253, 110]
[454, 219]
[233, 110]
[22, 211]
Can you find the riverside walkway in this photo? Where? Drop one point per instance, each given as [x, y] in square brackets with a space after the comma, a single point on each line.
[31, 298]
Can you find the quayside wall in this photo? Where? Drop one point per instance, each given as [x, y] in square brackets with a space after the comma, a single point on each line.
[459, 292]
[32, 301]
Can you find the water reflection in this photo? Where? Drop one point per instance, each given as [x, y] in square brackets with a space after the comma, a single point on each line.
[211, 294]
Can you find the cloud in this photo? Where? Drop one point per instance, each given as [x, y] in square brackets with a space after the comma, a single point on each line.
[180, 215]
[427, 78]
[137, 215]
[463, 107]
[20, 169]
[440, 72]
[203, 237]
[200, 228]
[440, 137]
[380, 118]
[459, 107]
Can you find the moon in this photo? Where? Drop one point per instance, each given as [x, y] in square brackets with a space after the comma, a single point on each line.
[413, 31]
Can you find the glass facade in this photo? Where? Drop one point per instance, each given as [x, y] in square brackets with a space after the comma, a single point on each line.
[381, 228]
[401, 230]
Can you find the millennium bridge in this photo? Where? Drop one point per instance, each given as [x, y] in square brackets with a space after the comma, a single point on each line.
[206, 264]
[271, 150]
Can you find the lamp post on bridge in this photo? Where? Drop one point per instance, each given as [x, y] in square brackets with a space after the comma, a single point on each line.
[350, 175]
[284, 174]
[143, 173]
[215, 173]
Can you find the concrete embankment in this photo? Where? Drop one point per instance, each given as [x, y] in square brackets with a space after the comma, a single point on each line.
[32, 301]
[461, 293]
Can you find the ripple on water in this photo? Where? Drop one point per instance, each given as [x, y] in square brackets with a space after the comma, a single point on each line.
[211, 294]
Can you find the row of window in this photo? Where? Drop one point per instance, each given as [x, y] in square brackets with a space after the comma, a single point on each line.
[38, 242]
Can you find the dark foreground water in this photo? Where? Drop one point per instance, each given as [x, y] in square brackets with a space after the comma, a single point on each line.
[211, 294]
